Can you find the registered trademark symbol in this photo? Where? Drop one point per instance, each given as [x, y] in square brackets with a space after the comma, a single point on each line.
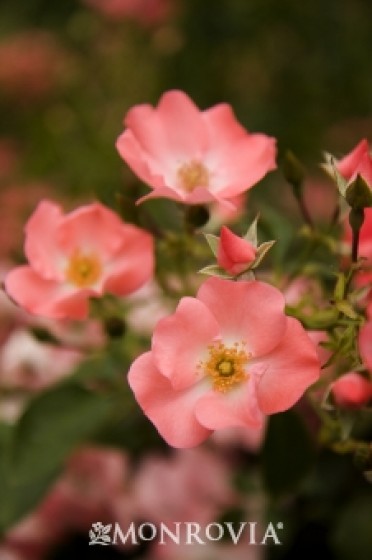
[279, 525]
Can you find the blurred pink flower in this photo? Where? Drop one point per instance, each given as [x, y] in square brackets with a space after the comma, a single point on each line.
[31, 538]
[31, 64]
[145, 12]
[235, 254]
[28, 364]
[17, 202]
[248, 438]
[72, 257]
[207, 551]
[146, 307]
[357, 162]
[351, 390]
[6, 553]
[85, 492]
[220, 214]
[226, 358]
[190, 485]
[304, 292]
[193, 156]
[320, 199]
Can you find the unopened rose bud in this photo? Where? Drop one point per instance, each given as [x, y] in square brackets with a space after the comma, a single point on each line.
[235, 254]
[351, 390]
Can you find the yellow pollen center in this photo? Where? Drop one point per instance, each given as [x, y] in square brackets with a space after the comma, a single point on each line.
[193, 174]
[83, 270]
[225, 365]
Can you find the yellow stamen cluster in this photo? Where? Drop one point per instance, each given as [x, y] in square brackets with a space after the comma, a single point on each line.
[225, 365]
[193, 174]
[83, 270]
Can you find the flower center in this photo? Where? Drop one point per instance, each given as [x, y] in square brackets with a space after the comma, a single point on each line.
[83, 269]
[193, 174]
[226, 365]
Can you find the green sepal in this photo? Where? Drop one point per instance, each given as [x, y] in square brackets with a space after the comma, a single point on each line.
[215, 270]
[213, 242]
[251, 234]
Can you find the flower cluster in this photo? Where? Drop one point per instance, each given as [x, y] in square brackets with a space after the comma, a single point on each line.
[224, 359]
[103, 291]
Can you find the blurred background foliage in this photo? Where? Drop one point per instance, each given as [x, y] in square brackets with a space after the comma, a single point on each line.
[299, 71]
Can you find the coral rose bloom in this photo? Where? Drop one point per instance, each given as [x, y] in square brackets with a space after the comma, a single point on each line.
[193, 156]
[72, 257]
[226, 358]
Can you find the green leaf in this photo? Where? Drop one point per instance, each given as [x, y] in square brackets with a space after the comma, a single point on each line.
[339, 291]
[345, 308]
[324, 319]
[352, 536]
[287, 454]
[53, 424]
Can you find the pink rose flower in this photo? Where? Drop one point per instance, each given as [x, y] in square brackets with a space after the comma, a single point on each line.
[351, 390]
[193, 156]
[235, 254]
[226, 358]
[32, 64]
[72, 257]
[357, 162]
[145, 12]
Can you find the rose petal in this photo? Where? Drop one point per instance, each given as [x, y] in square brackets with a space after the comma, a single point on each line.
[133, 266]
[91, 228]
[252, 312]
[181, 340]
[348, 164]
[172, 412]
[46, 297]
[237, 407]
[288, 370]
[41, 246]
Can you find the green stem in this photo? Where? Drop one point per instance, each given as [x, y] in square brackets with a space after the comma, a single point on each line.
[304, 211]
[356, 219]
